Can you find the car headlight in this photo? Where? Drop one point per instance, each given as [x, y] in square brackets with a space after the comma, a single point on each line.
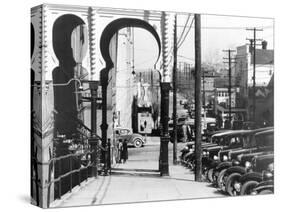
[224, 158]
[248, 164]
[215, 157]
[235, 162]
[204, 153]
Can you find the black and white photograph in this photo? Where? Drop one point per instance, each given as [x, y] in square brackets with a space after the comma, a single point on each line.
[132, 105]
[140, 105]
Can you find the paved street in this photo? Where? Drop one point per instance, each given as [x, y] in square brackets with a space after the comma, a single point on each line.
[126, 184]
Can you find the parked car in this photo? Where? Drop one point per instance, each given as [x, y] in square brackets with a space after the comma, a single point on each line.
[252, 178]
[228, 155]
[225, 140]
[249, 162]
[133, 139]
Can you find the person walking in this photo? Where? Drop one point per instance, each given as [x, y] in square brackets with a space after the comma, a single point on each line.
[184, 129]
[120, 150]
[124, 152]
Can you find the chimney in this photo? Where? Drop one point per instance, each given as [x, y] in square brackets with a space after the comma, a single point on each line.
[264, 44]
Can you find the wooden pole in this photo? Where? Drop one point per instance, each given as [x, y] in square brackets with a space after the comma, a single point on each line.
[229, 86]
[254, 78]
[198, 99]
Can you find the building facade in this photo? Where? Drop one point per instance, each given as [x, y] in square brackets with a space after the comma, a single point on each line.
[264, 69]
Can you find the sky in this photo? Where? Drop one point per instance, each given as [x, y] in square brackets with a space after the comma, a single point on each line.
[218, 33]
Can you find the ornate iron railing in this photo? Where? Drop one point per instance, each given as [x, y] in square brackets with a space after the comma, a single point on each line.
[84, 165]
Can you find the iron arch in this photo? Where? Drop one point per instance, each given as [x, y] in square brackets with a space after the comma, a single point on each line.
[107, 34]
[113, 28]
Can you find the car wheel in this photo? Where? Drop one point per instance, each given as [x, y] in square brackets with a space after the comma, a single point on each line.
[138, 142]
[220, 180]
[210, 175]
[231, 182]
[248, 187]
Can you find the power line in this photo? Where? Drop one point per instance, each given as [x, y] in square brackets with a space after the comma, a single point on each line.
[182, 33]
[230, 28]
[186, 34]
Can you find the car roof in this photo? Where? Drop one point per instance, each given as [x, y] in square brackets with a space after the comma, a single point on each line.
[262, 129]
[266, 132]
[232, 132]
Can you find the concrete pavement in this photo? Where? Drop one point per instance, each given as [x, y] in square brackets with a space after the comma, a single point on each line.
[139, 181]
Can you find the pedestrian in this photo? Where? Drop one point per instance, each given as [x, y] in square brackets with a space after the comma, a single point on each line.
[120, 149]
[124, 152]
[184, 129]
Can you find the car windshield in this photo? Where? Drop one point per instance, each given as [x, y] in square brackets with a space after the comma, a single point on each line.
[233, 141]
[122, 132]
[218, 140]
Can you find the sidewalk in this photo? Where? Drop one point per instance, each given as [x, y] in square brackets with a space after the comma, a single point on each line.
[141, 186]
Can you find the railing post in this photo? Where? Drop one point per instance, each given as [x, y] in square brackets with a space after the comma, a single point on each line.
[104, 125]
[164, 140]
[108, 156]
[105, 163]
[93, 141]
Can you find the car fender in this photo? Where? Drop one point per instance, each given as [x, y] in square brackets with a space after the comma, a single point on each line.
[253, 176]
[223, 165]
[235, 169]
[265, 185]
[134, 136]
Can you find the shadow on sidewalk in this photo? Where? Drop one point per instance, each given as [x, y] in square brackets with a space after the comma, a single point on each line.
[131, 172]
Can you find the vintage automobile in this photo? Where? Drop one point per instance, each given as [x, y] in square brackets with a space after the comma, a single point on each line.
[188, 157]
[248, 162]
[225, 140]
[225, 157]
[266, 186]
[133, 139]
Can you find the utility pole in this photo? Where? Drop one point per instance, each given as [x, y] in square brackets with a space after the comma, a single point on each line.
[198, 100]
[175, 95]
[204, 98]
[253, 41]
[229, 51]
